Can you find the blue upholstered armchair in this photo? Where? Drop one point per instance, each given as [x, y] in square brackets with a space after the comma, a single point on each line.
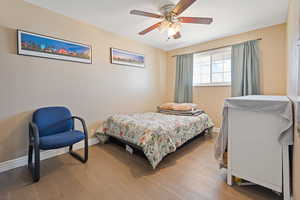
[52, 128]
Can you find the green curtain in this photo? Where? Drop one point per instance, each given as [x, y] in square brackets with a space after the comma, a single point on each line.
[184, 79]
[245, 69]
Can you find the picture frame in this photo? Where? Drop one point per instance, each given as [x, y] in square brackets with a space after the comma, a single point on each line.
[123, 57]
[38, 45]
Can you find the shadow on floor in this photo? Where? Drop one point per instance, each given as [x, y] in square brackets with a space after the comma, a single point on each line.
[139, 165]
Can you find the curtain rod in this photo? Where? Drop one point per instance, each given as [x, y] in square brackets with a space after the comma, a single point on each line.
[213, 48]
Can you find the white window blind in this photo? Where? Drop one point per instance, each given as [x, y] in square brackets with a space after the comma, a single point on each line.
[212, 67]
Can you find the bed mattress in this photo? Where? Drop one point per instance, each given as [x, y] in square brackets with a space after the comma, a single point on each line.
[155, 133]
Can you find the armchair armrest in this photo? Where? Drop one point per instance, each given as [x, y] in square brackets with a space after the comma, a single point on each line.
[83, 124]
[86, 152]
[34, 134]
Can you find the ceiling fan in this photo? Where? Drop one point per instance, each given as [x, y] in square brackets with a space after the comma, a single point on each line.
[171, 20]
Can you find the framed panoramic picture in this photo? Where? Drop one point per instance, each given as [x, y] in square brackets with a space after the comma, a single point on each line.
[32, 44]
[122, 57]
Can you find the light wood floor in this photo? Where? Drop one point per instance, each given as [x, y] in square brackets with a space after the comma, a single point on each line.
[191, 173]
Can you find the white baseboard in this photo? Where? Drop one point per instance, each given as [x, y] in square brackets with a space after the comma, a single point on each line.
[216, 130]
[22, 161]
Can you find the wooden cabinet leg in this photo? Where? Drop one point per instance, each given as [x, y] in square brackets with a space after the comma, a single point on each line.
[286, 173]
[229, 177]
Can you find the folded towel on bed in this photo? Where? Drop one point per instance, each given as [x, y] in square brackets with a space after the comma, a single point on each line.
[167, 106]
[178, 106]
[195, 112]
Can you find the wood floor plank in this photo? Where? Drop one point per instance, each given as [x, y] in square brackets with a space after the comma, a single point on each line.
[191, 173]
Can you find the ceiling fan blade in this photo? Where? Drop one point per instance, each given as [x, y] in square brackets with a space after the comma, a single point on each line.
[145, 14]
[182, 6]
[151, 28]
[196, 20]
[177, 35]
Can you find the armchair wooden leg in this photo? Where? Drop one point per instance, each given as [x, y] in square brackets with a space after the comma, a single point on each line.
[79, 157]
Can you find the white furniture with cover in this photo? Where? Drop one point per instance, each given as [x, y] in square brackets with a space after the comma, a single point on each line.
[258, 132]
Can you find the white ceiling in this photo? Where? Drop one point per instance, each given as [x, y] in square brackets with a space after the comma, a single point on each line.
[230, 17]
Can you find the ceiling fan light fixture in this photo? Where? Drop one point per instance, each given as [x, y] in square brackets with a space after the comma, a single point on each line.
[164, 26]
[171, 31]
[176, 26]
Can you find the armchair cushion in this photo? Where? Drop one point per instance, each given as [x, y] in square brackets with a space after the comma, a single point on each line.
[61, 139]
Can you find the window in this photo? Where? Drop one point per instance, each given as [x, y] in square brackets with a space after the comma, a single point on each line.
[212, 68]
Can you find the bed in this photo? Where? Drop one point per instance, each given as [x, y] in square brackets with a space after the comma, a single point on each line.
[156, 134]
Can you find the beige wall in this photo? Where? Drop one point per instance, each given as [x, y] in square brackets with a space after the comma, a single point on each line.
[98, 90]
[92, 91]
[273, 68]
[293, 34]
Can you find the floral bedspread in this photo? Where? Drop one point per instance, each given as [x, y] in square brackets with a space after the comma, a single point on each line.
[157, 134]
